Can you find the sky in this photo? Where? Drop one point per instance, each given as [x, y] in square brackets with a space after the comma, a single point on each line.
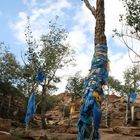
[77, 20]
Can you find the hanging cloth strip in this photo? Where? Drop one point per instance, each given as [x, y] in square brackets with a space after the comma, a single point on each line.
[40, 76]
[131, 96]
[90, 111]
[31, 109]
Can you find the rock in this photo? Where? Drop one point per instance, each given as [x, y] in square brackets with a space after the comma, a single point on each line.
[61, 136]
[36, 134]
[72, 130]
[5, 124]
[137, 116]
[133, 131]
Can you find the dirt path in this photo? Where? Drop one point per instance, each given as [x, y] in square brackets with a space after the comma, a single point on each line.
[104, 136]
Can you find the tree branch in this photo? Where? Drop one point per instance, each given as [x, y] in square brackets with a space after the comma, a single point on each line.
[130, 47]
[91, 8]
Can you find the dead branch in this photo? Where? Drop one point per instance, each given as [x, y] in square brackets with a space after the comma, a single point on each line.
[91, 8]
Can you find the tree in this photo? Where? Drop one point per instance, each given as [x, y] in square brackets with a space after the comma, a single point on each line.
[115, 84]
[10, 71]
[132, 16]
[132, 78]
[98, 13]
[75, 86]
[10, 79]
[51, 102]
[96, 78]
[131, 81]
[51, 54]
[130, 27]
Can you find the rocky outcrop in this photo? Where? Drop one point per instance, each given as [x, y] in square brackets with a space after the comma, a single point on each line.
[133, 131]
[115, 113]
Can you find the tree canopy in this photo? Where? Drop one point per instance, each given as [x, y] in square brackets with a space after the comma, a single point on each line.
[10, 71]
[131, 81]
[132, 15]
[50, 54]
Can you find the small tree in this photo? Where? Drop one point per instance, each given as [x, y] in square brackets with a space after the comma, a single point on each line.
[132, 78]
[51, 54]
[75, 86]
[131, 81]
[10, 69]
[115, 84]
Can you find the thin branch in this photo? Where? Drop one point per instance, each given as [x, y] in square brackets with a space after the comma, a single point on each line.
[54, 71]
[130, 48]
[127, 35]
[23, 60]
[91, 8]
[131, 58]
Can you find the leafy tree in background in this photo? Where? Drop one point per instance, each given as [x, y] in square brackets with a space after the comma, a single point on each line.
[115, 85]
[75, 86]
[132, 16]
[10, 71]
[131, 81]
[132, 78]
[49, 55]
[51, 102]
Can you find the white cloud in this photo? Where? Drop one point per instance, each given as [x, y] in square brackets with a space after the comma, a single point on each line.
[30, 3]
[19, 27]
[40, 15]
[77, 39]
[113, 8]
[84, 19]
[119, 63]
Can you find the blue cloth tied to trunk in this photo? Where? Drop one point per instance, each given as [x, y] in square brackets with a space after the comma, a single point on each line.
[90, 111]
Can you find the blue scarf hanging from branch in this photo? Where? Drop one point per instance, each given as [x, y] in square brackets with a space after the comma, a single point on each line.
[40, 76]
[31, 108]
[132, 96]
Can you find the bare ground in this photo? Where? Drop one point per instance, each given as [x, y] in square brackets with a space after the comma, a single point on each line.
[7, 137]
[104, 136]
[107, 136]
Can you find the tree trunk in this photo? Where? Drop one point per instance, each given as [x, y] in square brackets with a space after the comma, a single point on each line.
[100, 37]
[43, 107]
[9, 106]
[98, 75]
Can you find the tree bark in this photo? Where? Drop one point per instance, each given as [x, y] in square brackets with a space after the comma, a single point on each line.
[99, 15]
[43, 107]
[100, 37]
